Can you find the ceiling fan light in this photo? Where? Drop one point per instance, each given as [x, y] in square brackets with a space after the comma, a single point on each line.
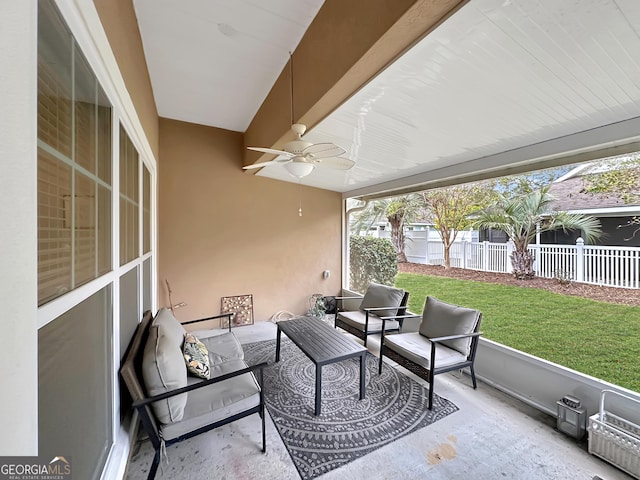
[299, 169]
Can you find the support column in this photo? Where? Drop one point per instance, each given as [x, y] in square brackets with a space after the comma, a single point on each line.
[18, 239]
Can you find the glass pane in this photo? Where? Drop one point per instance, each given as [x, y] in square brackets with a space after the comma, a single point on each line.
[85, 114]
[129, 315]
[146, 285]
[146, 210]
[129, 224]
[75, 386]
[123, 231]
[128, 167]
[128, 231]
[104, 137]
[104, 230]
[54, 227]
[54, 80]
[85, 229]
[132, 220]
[123, 161]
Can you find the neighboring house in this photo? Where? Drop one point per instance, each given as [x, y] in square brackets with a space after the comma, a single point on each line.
[614, 214]
[493, 236]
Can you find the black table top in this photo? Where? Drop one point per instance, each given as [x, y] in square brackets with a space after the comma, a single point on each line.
[319, 341]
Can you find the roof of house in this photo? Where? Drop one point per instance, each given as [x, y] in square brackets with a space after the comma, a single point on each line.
[570, 195]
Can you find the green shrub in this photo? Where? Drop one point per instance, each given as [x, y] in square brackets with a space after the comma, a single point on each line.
[371, 260]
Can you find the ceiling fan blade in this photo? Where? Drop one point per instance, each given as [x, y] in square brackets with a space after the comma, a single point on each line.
[337, 163]
[270, 150]
[323, 150]
[264, 164]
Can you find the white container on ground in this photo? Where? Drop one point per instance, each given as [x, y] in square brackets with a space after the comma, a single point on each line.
[614, 438]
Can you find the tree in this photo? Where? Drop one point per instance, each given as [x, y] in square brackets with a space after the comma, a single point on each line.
[514, 185]
[621, 178]
[521, 216]
[398, 211]
[451, 208]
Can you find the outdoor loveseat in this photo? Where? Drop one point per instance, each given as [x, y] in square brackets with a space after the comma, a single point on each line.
[174, 405]
[447, 340]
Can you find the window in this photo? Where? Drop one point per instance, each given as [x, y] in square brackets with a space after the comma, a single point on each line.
[129, 203]
[74, 164]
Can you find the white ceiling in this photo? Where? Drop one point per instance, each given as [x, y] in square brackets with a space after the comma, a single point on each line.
[502, 82]
[213, 62]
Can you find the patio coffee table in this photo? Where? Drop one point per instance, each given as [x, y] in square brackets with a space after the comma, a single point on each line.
[323, 345]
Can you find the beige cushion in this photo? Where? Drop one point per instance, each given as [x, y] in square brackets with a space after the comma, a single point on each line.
[222, 348]
[164, 369]
[357, 319]
[169, 326]
[440, 319]
[382, 296]
[417, 348]
[217, 401]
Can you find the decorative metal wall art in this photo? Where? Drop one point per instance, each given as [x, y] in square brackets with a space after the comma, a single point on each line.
[242, 308]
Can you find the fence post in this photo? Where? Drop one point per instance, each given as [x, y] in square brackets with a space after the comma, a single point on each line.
[485, 255]
[579, 260]
[508, 264]
[463, 246]
[536, 256]
[426, 247]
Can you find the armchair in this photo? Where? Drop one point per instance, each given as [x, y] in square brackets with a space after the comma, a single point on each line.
[447, 340]
[378, 301]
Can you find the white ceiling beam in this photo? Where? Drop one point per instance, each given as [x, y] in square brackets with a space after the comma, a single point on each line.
[602, 142]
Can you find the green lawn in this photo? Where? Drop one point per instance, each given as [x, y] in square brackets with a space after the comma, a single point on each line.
[596, 338]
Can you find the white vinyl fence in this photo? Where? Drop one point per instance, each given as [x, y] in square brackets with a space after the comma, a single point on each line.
[599, 265]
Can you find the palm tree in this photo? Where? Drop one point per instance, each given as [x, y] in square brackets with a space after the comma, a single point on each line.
[398, 211]
[521, 217]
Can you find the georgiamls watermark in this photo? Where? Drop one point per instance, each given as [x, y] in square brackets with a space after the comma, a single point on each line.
[35, 468]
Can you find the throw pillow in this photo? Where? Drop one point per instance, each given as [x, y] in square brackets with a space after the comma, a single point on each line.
[196, 356]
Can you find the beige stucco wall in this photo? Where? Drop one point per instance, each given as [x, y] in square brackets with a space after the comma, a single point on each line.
[121, 26]
[224, 231]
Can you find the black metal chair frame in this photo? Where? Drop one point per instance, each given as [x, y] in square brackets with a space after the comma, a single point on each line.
[132, 375]
[429, 374]
[364, 334]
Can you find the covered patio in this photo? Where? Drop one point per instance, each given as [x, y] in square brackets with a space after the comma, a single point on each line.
[492, 435]
[419, 93]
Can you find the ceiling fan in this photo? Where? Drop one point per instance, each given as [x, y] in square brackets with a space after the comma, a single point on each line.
[299, 157]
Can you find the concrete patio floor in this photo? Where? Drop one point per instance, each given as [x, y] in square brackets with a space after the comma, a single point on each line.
[491, 436]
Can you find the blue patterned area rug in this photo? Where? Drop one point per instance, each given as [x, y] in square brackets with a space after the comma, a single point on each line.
[348, 428]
